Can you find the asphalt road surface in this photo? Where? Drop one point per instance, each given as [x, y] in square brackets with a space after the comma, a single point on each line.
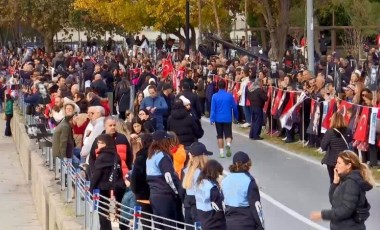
[291, 185]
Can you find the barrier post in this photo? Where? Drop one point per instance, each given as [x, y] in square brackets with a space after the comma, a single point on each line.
[63, 174]
[136, 217]
[69, 193]
[57, 167]
[87, 211]
[197, 225]
[96, 198]
[51, 160]
[78, 196]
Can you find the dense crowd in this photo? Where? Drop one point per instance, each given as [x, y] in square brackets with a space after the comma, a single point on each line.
[132, 123]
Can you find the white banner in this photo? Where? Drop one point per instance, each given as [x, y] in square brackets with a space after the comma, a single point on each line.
[372, 127]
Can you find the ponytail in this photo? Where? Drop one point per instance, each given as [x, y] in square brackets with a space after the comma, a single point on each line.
[366, 173]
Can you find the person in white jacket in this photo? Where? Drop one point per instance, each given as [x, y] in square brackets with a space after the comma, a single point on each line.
[93, 129]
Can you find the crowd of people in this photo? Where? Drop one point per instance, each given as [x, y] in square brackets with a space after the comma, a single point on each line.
[134, 123]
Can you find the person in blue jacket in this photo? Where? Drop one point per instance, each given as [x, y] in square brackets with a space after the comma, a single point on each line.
[163, 182]
[198, 157]
[241, 196]
[222, 106]
[156, 105]
[209, 198]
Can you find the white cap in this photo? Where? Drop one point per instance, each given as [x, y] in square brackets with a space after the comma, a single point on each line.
[184, 100]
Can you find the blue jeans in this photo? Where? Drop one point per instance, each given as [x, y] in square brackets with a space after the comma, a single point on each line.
[128, 200]
[257, 122]
[247, 114]
[77, 159]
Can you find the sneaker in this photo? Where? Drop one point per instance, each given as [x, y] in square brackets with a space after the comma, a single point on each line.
[245, 125]
[221, 155]
[284, 139]
[228, 151]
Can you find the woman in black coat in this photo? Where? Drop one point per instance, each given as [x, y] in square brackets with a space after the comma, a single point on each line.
[107, 176]
[333, 142]
[183, 124]
[347, 194]
[139, 185]
[123, 97]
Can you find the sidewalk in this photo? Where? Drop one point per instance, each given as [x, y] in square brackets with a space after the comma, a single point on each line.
[17, 209]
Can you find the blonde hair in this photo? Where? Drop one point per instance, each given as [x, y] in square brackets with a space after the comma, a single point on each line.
[121, 127]
[195, 162]
[350, 157]
[337, 121]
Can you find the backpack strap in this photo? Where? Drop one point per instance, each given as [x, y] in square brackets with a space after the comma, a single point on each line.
[345, 141]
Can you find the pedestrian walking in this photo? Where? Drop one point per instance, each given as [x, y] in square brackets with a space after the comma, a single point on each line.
[8, 115]
[222, 106]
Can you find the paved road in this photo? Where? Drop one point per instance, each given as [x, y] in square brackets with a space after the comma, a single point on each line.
[292, 187]
[17, 210]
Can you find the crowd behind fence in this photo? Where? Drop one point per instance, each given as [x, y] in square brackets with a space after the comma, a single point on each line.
[90, 204]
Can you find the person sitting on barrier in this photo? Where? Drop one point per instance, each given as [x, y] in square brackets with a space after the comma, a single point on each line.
[241, 196]
[209, 198]
[107, 176]
[198, 157]
[163, 181]
[139, 184]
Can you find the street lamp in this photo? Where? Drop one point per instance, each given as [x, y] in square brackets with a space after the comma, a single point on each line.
[187, 27]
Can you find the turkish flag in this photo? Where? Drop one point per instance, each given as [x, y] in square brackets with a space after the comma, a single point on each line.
[361, 132]
[290, 103]
[277, 101]
[167, 68]
[235, 91]
[345, 109]
[269, 95]
[326, 122]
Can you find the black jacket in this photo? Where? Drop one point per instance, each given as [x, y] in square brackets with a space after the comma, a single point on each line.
[88, 68]
[194, 100]
[104, 170]
[344, 198]
[257, 97]
[333, 144]
[184, 125]
[99, 87]
[139, 185]
[123, 97]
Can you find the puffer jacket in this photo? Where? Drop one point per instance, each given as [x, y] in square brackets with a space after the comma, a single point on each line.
[344, 198]
[333, 143]
[182, 123]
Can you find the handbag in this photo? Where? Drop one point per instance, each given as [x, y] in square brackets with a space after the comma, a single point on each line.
[345, 141]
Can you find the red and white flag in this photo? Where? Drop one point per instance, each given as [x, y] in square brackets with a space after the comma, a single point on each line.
[362, 129]
[327, 120]
[345, 109]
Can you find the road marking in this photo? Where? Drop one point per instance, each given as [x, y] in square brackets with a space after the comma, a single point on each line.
[289, 211]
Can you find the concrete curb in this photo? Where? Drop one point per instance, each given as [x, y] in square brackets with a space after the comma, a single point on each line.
[53, 213]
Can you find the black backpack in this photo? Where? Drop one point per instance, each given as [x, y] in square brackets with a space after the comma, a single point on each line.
[361, 213]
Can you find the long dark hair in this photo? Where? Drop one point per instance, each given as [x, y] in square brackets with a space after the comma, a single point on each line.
[161, 145]
[212, 170]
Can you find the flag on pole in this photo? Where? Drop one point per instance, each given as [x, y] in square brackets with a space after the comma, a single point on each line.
[327, 120]
[345, 109]
[361, 132]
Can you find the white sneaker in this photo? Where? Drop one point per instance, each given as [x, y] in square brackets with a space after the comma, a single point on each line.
[245, 125]
[284, 139]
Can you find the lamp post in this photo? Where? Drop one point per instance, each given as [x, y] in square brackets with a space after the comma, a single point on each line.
[310, 36]
[187, 27]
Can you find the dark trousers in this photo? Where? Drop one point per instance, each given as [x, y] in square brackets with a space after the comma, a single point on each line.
[257, 122]
[241, 113]
[202, 100]
[105, 223]
[330, 170]
[208, 105]
[163, 206]
[8, 131]
[148, 209]
[370, 155]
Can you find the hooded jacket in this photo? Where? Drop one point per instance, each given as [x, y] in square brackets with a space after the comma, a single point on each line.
[344, 198]
[107, 173]
[182, 123]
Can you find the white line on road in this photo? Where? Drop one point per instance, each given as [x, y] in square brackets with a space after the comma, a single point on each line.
[291, 212]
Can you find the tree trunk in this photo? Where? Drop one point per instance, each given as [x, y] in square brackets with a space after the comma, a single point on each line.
[263, 35]
[277, 27]
[217, 22]
[193, 37]
[199, 21]
[48, 41]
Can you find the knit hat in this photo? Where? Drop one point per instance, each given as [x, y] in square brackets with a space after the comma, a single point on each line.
[240, 157]
[185, 100]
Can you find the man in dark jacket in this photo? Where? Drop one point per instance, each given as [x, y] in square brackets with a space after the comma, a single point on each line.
[257, 96]
[193, 98]
[88, 68]
[166, 93]
[99, 86]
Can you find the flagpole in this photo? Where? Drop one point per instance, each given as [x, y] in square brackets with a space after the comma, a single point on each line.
[303, 124]
[310, 36]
